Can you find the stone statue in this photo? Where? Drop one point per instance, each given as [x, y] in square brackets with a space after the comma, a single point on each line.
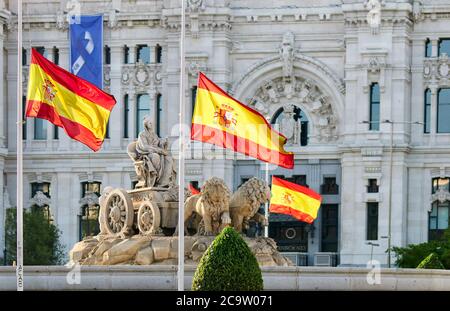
[287, 54]
[246, 201]
[212, 204]
[153, 162]
[289, 127]
[374, 15]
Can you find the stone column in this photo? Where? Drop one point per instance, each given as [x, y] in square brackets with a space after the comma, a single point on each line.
[115, 120]
[132, 54]
[3, 100]
[434, 47]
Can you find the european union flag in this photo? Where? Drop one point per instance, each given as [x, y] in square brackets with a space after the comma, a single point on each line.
[86, 49]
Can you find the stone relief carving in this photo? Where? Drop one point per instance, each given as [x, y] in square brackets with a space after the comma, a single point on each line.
[152, 160]
[194, 67]
[289, 127]
[40, 199]
[417, 11]
[267, 100]
[440, 196]
[89, 199]
[113, 21]
[287, 54]
[437, 70]
[299, 59]
[61, 20]
[196, 5]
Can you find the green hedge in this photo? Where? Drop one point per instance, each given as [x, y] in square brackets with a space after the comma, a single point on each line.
[228, 265]
[431, 262]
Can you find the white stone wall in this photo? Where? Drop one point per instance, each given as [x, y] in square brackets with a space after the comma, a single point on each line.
[237, 44]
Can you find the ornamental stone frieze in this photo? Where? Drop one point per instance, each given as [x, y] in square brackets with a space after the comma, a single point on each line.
[436, 70]
[40, 200]
[141, 76]
[440, 196]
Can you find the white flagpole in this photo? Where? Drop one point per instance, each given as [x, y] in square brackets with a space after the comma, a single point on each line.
[19, 269]
[182, 144]
[266, 206]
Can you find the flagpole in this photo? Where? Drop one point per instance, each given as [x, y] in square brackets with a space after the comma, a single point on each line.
[19, 255]
[181, 154]
[266, 206]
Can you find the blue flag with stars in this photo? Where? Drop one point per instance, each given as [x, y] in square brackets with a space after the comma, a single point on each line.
[86, 49]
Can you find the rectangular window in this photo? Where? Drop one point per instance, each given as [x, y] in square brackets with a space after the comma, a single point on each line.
[443, 122]
[24, 57]
[55, 132]
[126, 55]
[440, 183]
[56, 55]
[444, 46]
[107, 130]
[372, 221]
[158, 51]
[143, 109]
[40, 129]
[438, 220]
[24, 126]
[43, 187]
[427, 112]
[329, 186]
[373, 186]
[374, 107]
[126, 112]
[107, 55]
[329, 228]
[428, 48]
[143, 54]
[158, 114]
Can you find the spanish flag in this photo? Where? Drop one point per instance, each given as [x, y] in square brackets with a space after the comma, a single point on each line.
[295, 200]
[67, 101]
[221, 120]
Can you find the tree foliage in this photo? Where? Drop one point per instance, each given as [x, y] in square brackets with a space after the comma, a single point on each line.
[41, 244]
[413, 255]
[431, 262]
[228, 265]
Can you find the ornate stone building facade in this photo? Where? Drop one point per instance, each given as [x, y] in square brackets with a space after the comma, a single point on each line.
[344, 80]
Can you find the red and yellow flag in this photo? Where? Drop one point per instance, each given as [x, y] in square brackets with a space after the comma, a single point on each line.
[67, 101]
[295, 200]
[221, 120]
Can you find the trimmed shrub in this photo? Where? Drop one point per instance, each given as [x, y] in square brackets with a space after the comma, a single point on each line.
[228, 265]
[431, 262]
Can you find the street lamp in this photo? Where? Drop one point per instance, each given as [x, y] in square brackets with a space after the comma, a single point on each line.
[371, 249]
[391, 154]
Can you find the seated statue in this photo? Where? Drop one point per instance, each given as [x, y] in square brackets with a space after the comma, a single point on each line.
[153, 163]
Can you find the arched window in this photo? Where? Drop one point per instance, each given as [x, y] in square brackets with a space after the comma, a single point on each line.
[374, 124]
[443, 111]
[158, 114]
[143, 109]
[427, 111]
[126, 112]
[299, 116]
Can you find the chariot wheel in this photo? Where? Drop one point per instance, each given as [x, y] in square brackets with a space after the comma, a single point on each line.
[149, 218]
[118, 213]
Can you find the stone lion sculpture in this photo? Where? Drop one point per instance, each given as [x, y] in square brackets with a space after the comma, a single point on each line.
[212, 204]
[246, 201]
